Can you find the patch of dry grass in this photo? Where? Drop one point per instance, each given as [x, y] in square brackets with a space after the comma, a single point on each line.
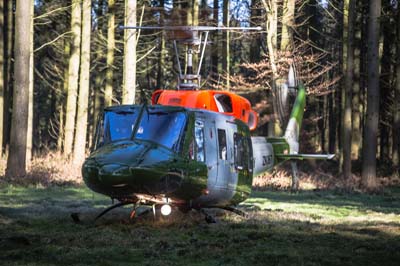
[45, 170]
[318, 177]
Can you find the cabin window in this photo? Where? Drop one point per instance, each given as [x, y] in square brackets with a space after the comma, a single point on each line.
[224, 103]
[241, 151]
[222, 149]
[199, 136]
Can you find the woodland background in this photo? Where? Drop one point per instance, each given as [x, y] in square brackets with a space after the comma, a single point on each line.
[63, 61]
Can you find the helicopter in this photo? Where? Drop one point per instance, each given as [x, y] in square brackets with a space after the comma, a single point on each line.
[190, 149]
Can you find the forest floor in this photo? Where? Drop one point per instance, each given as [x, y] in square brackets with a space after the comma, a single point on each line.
[316, 227]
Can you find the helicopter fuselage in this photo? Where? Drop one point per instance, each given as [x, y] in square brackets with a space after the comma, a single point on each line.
[188, 157]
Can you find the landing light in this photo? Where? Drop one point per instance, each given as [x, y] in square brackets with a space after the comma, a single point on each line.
[166, 210]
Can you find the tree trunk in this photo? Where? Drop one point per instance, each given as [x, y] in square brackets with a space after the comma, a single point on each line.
[385, 86]
[110, 53]
[214, 48]
[82, 115]
[255, 21]
[129, 79]
[16, 163]
[61, 104]
[396, 124]
[161, 58]
[271, 9]
[356, 112]
[348, 91]
[8, 68]
[196, 6]
[29, 141]
[287, 25]
[2, 71]
[73, 76]
[99, 75]
[226, 44]
[371, 123]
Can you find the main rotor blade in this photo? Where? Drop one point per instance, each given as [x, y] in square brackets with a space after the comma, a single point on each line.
[188, 28]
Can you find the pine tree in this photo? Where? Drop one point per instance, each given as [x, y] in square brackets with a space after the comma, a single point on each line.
[16, 163]
[129, 78]
[350, 6]
[82, 115]
[396, 124]
[2, 70]
[108, 92]
[73, 76]
[372, 118]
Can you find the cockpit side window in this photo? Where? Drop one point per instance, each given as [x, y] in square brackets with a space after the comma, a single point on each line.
[99, 133]
[222, 149]
[115, 126]
[199, 136]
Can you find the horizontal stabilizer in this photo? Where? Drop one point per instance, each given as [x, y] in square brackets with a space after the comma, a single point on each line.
[305, 156]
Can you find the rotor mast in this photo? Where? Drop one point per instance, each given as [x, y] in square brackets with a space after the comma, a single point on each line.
[195, 39]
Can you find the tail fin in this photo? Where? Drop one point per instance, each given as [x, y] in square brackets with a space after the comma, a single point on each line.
[295, 120]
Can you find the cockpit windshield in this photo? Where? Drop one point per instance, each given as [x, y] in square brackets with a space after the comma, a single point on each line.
[164, 128]
[116, 125]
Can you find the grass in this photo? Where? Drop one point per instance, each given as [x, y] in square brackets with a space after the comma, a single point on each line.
[307, 228]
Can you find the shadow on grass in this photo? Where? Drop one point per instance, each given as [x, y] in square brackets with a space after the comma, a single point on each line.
[386, 202]
[182, 242]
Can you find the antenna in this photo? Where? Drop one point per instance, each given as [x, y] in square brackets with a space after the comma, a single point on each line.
[192, 37]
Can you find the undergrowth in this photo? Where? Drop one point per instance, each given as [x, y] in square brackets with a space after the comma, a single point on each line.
[55, 169]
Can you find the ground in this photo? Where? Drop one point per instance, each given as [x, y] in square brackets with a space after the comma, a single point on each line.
[320, 227]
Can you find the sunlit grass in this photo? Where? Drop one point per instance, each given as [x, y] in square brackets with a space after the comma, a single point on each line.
[307, 228]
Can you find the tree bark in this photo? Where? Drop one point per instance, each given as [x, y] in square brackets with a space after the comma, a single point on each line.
[108, 92]
[368, 179]
[82, 115]
[129, 76]
[287, 25]
[73, 76]
[348, 91]
[16, 163]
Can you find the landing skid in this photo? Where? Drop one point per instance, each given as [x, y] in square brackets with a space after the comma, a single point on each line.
[119, 204]
[210, 219]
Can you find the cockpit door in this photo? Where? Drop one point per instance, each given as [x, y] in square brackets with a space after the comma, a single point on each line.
[211, 147]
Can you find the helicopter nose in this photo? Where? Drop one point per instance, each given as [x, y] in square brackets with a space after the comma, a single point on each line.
[157, 182]
[134, 168]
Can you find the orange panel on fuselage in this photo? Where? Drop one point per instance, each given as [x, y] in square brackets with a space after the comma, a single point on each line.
[213, 100]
